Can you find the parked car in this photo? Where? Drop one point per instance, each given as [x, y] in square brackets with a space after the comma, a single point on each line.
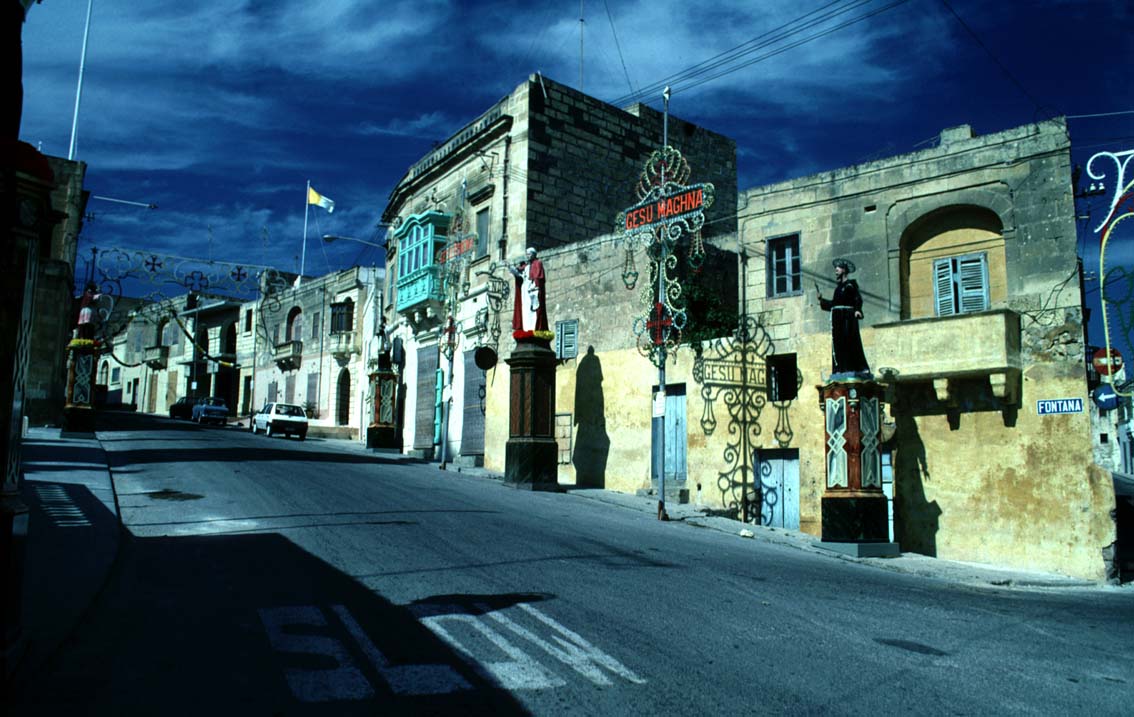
[281, 419]
[211, 410]
[183, 407]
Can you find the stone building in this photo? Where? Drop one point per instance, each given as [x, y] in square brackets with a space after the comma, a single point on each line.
[546, 167]
[310, 344]
[55, 314]
[966, 258]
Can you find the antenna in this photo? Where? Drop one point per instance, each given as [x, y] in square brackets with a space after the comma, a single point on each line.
[581, 23]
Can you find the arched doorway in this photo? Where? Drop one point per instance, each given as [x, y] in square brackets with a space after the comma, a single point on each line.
[295, 324]
[342, 415]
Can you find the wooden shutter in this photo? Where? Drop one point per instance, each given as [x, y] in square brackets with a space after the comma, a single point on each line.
[567, 339]
[943, 287]
[972, 282]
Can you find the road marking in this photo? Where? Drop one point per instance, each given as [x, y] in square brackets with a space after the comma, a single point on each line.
[343, 681]
[576, 652]
[60, 508]
[436, 679]
[520, 672]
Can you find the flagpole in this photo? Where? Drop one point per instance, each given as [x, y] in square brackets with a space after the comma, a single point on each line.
[303, 253]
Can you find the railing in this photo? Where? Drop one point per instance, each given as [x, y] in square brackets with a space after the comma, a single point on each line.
[343, 343]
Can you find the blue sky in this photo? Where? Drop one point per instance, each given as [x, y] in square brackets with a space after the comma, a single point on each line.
[220, 112]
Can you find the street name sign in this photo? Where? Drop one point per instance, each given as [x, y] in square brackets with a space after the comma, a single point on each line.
[1054, 406]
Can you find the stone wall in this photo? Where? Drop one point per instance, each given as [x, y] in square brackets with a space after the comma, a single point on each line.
[585, 157]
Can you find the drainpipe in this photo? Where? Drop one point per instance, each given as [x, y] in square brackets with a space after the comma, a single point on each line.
[502, 243]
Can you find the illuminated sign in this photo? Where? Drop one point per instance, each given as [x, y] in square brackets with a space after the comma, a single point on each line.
[456, 249]
[665, 209]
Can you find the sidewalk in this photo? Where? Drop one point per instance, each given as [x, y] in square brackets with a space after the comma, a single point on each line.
[72, 542]
[976, 574]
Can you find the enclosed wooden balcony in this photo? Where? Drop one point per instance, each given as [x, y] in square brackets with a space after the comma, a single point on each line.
[952, 347]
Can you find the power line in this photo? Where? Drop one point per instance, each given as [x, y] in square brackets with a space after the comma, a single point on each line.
[778, 34]
[618, 46]
[993, 57]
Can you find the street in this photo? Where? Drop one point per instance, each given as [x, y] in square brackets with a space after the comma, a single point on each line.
[265, 575]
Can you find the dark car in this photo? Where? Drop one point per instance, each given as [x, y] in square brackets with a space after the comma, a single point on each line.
[211, 410]
[183, 407]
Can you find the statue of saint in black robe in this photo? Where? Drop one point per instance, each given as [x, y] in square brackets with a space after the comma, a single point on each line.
[845, 306]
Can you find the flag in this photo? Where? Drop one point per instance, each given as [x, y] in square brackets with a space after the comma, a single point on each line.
[314, 197]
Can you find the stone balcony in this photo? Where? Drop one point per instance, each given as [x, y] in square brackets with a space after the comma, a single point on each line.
[289, 354]
[951, 347]
[342, 344]
[157, 357]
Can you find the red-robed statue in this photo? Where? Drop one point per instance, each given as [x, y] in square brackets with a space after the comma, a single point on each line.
[529, 310]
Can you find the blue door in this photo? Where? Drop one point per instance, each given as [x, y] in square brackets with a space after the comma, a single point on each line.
[777, 479]
[675, 439]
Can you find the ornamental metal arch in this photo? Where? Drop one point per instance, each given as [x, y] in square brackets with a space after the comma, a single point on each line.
[1120, 209]
[733, 371]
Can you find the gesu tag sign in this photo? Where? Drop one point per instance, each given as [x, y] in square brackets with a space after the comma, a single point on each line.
[1055, 406]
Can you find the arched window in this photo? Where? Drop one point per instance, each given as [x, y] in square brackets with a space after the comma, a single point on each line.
[104, 373]
[953, 262]
[294, 324]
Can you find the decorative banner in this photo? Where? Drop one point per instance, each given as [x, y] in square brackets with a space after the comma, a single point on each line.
[1121, 208]
[667, 210]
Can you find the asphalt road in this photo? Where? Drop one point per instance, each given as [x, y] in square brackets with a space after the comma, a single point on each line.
[271, 576]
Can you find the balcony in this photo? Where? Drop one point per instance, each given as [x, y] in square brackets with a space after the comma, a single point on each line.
[950, 347]
[342, 344]
[157, 357]
[289, 354]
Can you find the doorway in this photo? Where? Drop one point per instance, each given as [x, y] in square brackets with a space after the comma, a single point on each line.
[674, 434]
[342, 413]
[777, 479]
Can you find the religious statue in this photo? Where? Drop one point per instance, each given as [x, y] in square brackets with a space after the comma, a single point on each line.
[847, 357]
[88, 311]
[529, 311]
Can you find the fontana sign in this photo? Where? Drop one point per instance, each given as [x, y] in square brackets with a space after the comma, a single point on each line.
[653, 212]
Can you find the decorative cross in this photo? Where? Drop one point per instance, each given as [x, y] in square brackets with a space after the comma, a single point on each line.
[659, 324]
[239, 274]
[153, 264]
[196, 281]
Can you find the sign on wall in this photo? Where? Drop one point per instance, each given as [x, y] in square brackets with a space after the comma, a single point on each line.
[1055, 406]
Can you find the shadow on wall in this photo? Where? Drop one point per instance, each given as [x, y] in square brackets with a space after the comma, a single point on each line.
[916, 519]
[592, 444]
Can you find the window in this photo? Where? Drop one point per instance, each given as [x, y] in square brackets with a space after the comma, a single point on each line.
[415, 249]
[784, 277]
[482, 218]
[247, 320]
[115, 375]
[316, 319]
[567, 339]
[276, 335]
[312, 395]
[342, 317]
[783, 384]
[295, 324]
[961, 284]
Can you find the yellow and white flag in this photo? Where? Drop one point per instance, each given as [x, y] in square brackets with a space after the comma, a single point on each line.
[314, 197]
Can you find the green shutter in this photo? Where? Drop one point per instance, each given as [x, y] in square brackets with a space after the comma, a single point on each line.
[943, 287]
[972, 273]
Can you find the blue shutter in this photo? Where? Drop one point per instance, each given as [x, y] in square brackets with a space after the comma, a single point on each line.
[943, 287]
[972, 273]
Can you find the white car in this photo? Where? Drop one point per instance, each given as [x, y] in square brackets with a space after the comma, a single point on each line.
[277, 419]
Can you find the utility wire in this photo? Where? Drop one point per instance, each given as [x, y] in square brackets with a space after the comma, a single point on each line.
[762, 41]
[618, 46]
[1007, 73]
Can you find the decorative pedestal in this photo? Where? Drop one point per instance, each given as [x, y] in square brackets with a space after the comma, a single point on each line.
[383, 433]
[854, 511]
[531, 456]
[78, 412]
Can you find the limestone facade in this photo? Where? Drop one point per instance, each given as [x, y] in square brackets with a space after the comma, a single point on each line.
[546, 167]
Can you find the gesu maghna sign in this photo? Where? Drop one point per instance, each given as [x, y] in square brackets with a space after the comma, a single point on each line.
[656, 211]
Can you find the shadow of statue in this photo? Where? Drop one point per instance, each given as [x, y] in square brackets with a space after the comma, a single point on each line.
[592, 444]
[916, 519]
